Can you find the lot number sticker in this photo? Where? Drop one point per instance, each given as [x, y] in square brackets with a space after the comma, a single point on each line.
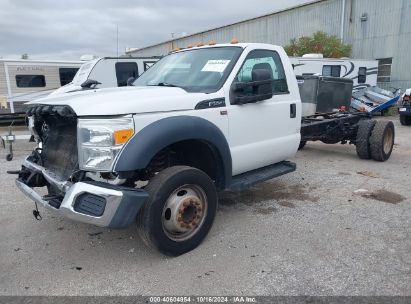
[215, 66]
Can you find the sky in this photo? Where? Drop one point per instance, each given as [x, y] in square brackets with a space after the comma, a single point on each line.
[52, 29]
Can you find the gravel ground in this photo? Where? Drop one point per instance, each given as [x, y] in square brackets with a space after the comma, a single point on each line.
[306, 233]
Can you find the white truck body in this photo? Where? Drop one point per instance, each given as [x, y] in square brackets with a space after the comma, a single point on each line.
[109, 71]
[345, 68]
[249, 149]
[210, 118]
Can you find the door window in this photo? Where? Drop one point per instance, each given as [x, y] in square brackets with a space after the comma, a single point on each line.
[125, 70]
[268, 60]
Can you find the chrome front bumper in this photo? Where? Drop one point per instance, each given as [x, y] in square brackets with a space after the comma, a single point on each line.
[121, 204]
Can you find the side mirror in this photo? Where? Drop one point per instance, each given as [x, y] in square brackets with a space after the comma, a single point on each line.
[130, 81]
[90, 84]
[265, 79]
[258, 89]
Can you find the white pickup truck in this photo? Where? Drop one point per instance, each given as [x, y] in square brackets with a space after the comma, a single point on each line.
[201, 120]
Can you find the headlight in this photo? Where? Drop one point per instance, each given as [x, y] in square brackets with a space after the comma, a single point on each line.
[100, 141]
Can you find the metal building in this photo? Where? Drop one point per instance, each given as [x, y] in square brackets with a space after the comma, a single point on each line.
[376, 29]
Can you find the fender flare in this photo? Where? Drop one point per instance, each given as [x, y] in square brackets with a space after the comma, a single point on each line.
[145, 144]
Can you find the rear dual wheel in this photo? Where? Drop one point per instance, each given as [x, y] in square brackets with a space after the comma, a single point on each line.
[362, 142]
[180, 211]
[382, 140]
[375, 139]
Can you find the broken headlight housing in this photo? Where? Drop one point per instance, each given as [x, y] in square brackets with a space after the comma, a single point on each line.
[100, 141]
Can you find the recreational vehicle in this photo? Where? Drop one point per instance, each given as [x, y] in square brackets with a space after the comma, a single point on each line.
[362, 72]
[26, 80]
[107, 72]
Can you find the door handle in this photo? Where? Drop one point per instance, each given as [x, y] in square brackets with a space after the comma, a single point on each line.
[293, 110]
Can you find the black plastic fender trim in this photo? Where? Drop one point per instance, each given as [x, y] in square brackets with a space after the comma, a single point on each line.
[145, 144]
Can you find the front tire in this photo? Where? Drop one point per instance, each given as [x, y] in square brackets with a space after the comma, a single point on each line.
[180, 210]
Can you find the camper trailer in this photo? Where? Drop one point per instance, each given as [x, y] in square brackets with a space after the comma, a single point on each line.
[107, 72]
[25, 80]
[362, 72]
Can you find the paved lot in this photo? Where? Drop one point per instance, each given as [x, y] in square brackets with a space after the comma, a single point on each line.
[304, 233]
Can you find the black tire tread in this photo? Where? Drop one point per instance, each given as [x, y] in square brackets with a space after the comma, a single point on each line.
[377, 140]
[362, 143]
[405, 120]
[153, 188]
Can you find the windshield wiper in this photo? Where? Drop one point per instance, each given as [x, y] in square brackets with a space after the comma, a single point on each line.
[165, 84]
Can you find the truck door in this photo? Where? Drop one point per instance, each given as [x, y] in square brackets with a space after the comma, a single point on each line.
[265, 132]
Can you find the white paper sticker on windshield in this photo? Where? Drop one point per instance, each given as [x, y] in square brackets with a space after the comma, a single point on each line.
[215, 66]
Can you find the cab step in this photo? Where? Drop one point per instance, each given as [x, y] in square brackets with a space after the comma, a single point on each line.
[248, 179]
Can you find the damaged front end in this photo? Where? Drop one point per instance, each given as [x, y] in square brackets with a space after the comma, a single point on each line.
[72, 192]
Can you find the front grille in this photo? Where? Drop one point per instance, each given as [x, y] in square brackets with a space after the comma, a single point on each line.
[60, 150]
[57, 128]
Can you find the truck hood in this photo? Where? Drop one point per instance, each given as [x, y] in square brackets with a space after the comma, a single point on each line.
[125, 100]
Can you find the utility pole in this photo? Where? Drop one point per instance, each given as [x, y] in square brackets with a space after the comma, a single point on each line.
[172, 41]
[117, 40]
[342, 21]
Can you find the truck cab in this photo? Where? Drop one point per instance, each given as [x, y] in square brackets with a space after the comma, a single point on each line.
[201, 120]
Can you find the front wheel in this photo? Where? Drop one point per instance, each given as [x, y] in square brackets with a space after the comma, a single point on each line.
[180, 210]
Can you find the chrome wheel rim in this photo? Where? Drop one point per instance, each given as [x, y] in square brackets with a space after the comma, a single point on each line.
[184, 212]
[388, 141]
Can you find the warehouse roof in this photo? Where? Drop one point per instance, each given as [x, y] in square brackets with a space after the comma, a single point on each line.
[234, 23]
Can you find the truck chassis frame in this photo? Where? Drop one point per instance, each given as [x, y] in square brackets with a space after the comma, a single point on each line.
[332, 128]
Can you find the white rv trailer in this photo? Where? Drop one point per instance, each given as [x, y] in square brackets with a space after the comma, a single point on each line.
[108, 72]
[23, 80]
[362, 72]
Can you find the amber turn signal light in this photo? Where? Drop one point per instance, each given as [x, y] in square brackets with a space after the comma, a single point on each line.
[122, 136]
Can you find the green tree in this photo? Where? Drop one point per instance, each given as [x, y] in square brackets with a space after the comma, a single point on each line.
[320, 42]
[25, 56]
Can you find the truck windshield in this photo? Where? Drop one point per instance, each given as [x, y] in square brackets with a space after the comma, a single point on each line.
[198, 70]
